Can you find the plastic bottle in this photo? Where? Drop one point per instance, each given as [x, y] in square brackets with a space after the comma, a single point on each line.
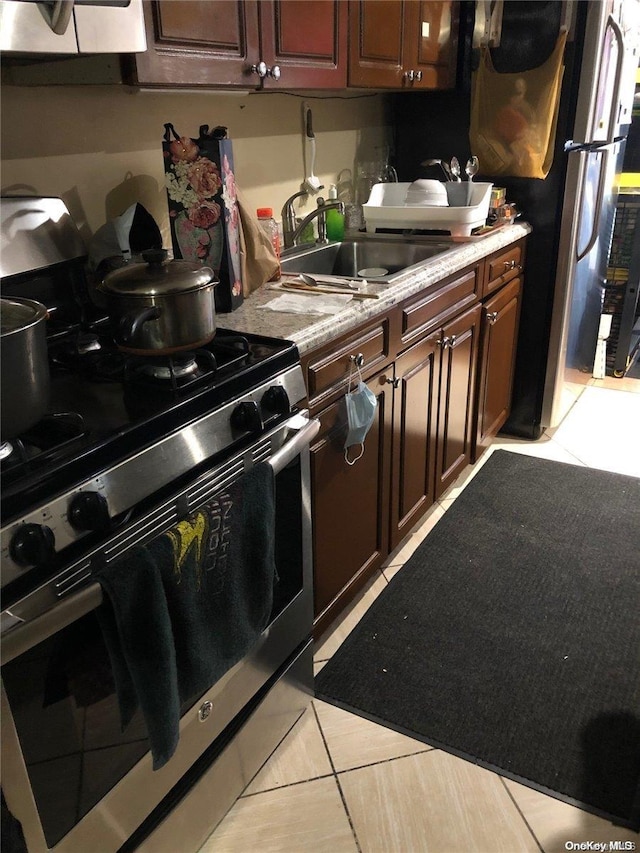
[334, 219]
[270, 228]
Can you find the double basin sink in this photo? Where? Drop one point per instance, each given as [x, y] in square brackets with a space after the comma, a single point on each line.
[373, 258]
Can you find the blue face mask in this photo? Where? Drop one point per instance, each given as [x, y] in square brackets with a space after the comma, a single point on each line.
[361, 406]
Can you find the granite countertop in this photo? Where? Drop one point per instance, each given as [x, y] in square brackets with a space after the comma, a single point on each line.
[309, 331]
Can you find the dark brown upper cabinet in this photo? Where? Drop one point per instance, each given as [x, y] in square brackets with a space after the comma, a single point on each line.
[248, 44]
[403, 44]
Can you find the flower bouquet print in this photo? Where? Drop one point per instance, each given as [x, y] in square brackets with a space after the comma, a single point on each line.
[203, 208]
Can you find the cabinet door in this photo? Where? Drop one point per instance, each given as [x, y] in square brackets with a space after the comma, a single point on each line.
[350, 505]
[499, 334]
[414, 415]
[408, 44]
[376, 31]
[198, 43]
[454, 438]
[307, 40]
[431, 44]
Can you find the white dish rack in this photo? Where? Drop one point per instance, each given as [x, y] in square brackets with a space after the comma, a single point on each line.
[386, 208]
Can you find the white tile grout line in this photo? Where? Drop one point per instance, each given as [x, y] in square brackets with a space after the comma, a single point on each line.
[335, 776]
[520, 812]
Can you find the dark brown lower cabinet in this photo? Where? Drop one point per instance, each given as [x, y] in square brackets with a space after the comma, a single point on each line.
[432, 418]
[350, 504]
[420, 442]
[415, 414]
[441, 366]
[500, 316]
[455, 429]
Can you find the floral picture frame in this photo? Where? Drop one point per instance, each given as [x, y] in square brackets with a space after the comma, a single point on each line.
[203, 208]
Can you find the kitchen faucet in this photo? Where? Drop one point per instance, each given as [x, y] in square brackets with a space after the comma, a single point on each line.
[290, 236]
[288, 216]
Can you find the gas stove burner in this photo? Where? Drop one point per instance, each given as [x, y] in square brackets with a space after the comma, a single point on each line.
[175, 372]
[90, 356]
[6, 449]
[176, 367]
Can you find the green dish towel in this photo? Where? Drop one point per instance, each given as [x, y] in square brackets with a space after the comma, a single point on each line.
[181, 611]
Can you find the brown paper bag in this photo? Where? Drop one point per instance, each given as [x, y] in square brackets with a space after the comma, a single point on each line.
[514, 116]
[258, 259]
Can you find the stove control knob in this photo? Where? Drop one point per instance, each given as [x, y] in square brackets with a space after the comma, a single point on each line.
[276, 400]
[246, 416]
[89, 511]
[32, 545]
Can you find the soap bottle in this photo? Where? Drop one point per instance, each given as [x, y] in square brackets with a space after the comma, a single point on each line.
[333, 218]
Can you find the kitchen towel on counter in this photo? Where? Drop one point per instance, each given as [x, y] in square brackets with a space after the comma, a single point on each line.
[257, 257]
[302, 304]
[181, 611]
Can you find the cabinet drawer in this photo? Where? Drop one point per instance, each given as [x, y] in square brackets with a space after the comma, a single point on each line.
[502, 267]
[327, 370]
[430, 309]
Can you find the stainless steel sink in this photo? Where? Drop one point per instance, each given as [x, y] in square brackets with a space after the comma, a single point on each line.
[350, 258]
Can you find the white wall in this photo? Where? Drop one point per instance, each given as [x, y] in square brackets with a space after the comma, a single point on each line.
[99, 147]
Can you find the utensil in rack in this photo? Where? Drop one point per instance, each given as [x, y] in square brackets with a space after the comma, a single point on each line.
[455, 168]
[472, 167]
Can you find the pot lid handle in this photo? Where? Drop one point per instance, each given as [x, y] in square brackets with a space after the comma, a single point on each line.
[155, 257]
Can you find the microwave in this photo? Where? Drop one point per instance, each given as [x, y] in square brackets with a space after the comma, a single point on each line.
[35, 27]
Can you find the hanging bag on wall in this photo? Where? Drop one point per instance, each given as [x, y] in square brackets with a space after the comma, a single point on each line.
[514, 116]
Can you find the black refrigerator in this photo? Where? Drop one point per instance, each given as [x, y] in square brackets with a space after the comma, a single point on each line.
[572, 210]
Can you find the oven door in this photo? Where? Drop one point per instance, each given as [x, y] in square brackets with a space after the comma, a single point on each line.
[70, 775]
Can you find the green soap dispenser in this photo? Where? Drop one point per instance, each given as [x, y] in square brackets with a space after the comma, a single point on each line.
[334, 219]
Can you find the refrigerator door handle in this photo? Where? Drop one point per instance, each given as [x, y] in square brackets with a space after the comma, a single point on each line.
[570, 146]
[597, 211]
[617, 86]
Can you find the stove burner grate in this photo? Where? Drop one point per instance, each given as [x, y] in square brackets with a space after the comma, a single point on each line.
[51, 437]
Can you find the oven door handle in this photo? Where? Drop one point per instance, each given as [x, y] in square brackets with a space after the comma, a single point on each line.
[23, 633]
[292, 448]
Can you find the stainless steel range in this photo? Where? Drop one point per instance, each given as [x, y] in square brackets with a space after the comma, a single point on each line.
[130, 448]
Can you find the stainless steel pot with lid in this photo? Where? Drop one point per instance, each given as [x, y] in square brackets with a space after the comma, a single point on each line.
[161, 306]
[25, 365]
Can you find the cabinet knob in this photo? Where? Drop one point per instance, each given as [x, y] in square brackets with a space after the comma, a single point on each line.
[512, 265]
[274, 72]
[452, 341]
[418, 76]
[260, 69]
[395, 381]
[358, 360]
[443, 342]
[410, 75]
[492, 316]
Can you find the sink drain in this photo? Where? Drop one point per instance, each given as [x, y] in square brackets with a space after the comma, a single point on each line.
[372, 272]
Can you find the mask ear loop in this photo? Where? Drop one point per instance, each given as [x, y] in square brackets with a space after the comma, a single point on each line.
[346, 450]
[359, 456]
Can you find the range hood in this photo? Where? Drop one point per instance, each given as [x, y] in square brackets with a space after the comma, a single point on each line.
[68, 27]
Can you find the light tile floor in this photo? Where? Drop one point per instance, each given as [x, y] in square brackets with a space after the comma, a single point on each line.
[339, 783]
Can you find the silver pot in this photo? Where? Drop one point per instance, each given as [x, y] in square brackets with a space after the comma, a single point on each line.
[161, 306]
[25, 366]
